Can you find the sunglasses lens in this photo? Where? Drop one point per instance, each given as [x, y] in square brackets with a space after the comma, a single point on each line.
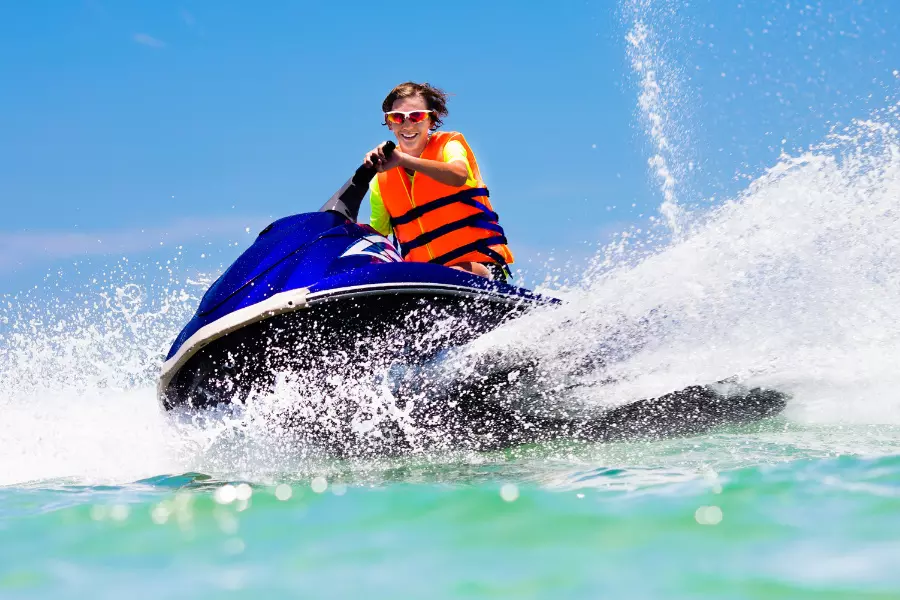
[394, 118]
[418, 116]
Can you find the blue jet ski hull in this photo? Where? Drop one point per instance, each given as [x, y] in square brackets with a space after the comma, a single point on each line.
[331, 282]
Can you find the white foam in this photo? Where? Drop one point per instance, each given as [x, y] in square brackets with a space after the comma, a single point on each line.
[794, 285]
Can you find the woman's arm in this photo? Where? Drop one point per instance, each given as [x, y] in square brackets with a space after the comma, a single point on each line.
[455, 172]
[452, 173]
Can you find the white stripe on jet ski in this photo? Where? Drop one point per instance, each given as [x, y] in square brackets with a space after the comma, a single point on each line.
[293, 300]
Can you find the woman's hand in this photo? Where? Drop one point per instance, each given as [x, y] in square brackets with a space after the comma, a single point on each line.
[381, 163]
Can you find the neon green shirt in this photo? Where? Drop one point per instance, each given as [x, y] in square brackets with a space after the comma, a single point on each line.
[380, 219]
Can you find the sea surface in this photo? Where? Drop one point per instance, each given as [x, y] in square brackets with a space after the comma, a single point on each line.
[770, 511]
[790, 283]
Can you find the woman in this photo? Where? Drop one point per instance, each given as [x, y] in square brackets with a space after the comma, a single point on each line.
[429, 193]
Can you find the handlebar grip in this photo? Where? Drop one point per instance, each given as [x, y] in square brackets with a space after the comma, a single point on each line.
[346, 200]
[365, 174]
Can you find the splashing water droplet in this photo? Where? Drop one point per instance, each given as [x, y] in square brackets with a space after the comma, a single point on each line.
[284, 492]
[509, 492]
[319, 484]
[225, 494]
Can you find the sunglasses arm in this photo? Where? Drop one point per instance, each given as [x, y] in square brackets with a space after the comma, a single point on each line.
[347, 200]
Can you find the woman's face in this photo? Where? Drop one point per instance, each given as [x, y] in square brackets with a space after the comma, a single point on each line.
[411, 137]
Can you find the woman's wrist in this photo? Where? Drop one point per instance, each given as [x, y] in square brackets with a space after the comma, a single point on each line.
[405, 160]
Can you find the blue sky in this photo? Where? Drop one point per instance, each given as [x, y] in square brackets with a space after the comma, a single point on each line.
[126, 125]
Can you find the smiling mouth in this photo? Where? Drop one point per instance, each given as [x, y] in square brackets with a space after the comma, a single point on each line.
[409, 136]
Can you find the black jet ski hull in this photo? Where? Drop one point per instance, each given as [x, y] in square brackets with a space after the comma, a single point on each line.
[335, 330]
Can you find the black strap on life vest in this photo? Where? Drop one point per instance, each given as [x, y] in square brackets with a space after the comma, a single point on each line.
[483, 246]
[466, 197]
[477, 220]
[485, 218]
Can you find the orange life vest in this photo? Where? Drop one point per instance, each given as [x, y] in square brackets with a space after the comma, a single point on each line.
[441, 223]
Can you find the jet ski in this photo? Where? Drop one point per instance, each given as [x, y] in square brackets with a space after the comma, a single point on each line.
[321, 293]
[317, 282]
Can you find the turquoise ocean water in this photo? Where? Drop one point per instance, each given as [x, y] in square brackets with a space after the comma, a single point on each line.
[792, 284]
[769, 512]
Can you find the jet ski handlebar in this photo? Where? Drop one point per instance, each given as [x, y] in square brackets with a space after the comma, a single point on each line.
[347, 200]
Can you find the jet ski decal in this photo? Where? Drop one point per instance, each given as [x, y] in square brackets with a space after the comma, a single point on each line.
[374, 245]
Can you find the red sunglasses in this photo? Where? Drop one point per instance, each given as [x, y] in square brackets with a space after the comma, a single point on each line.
[397, 117]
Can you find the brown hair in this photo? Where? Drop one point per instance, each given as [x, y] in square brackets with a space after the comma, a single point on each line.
[435, 99]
